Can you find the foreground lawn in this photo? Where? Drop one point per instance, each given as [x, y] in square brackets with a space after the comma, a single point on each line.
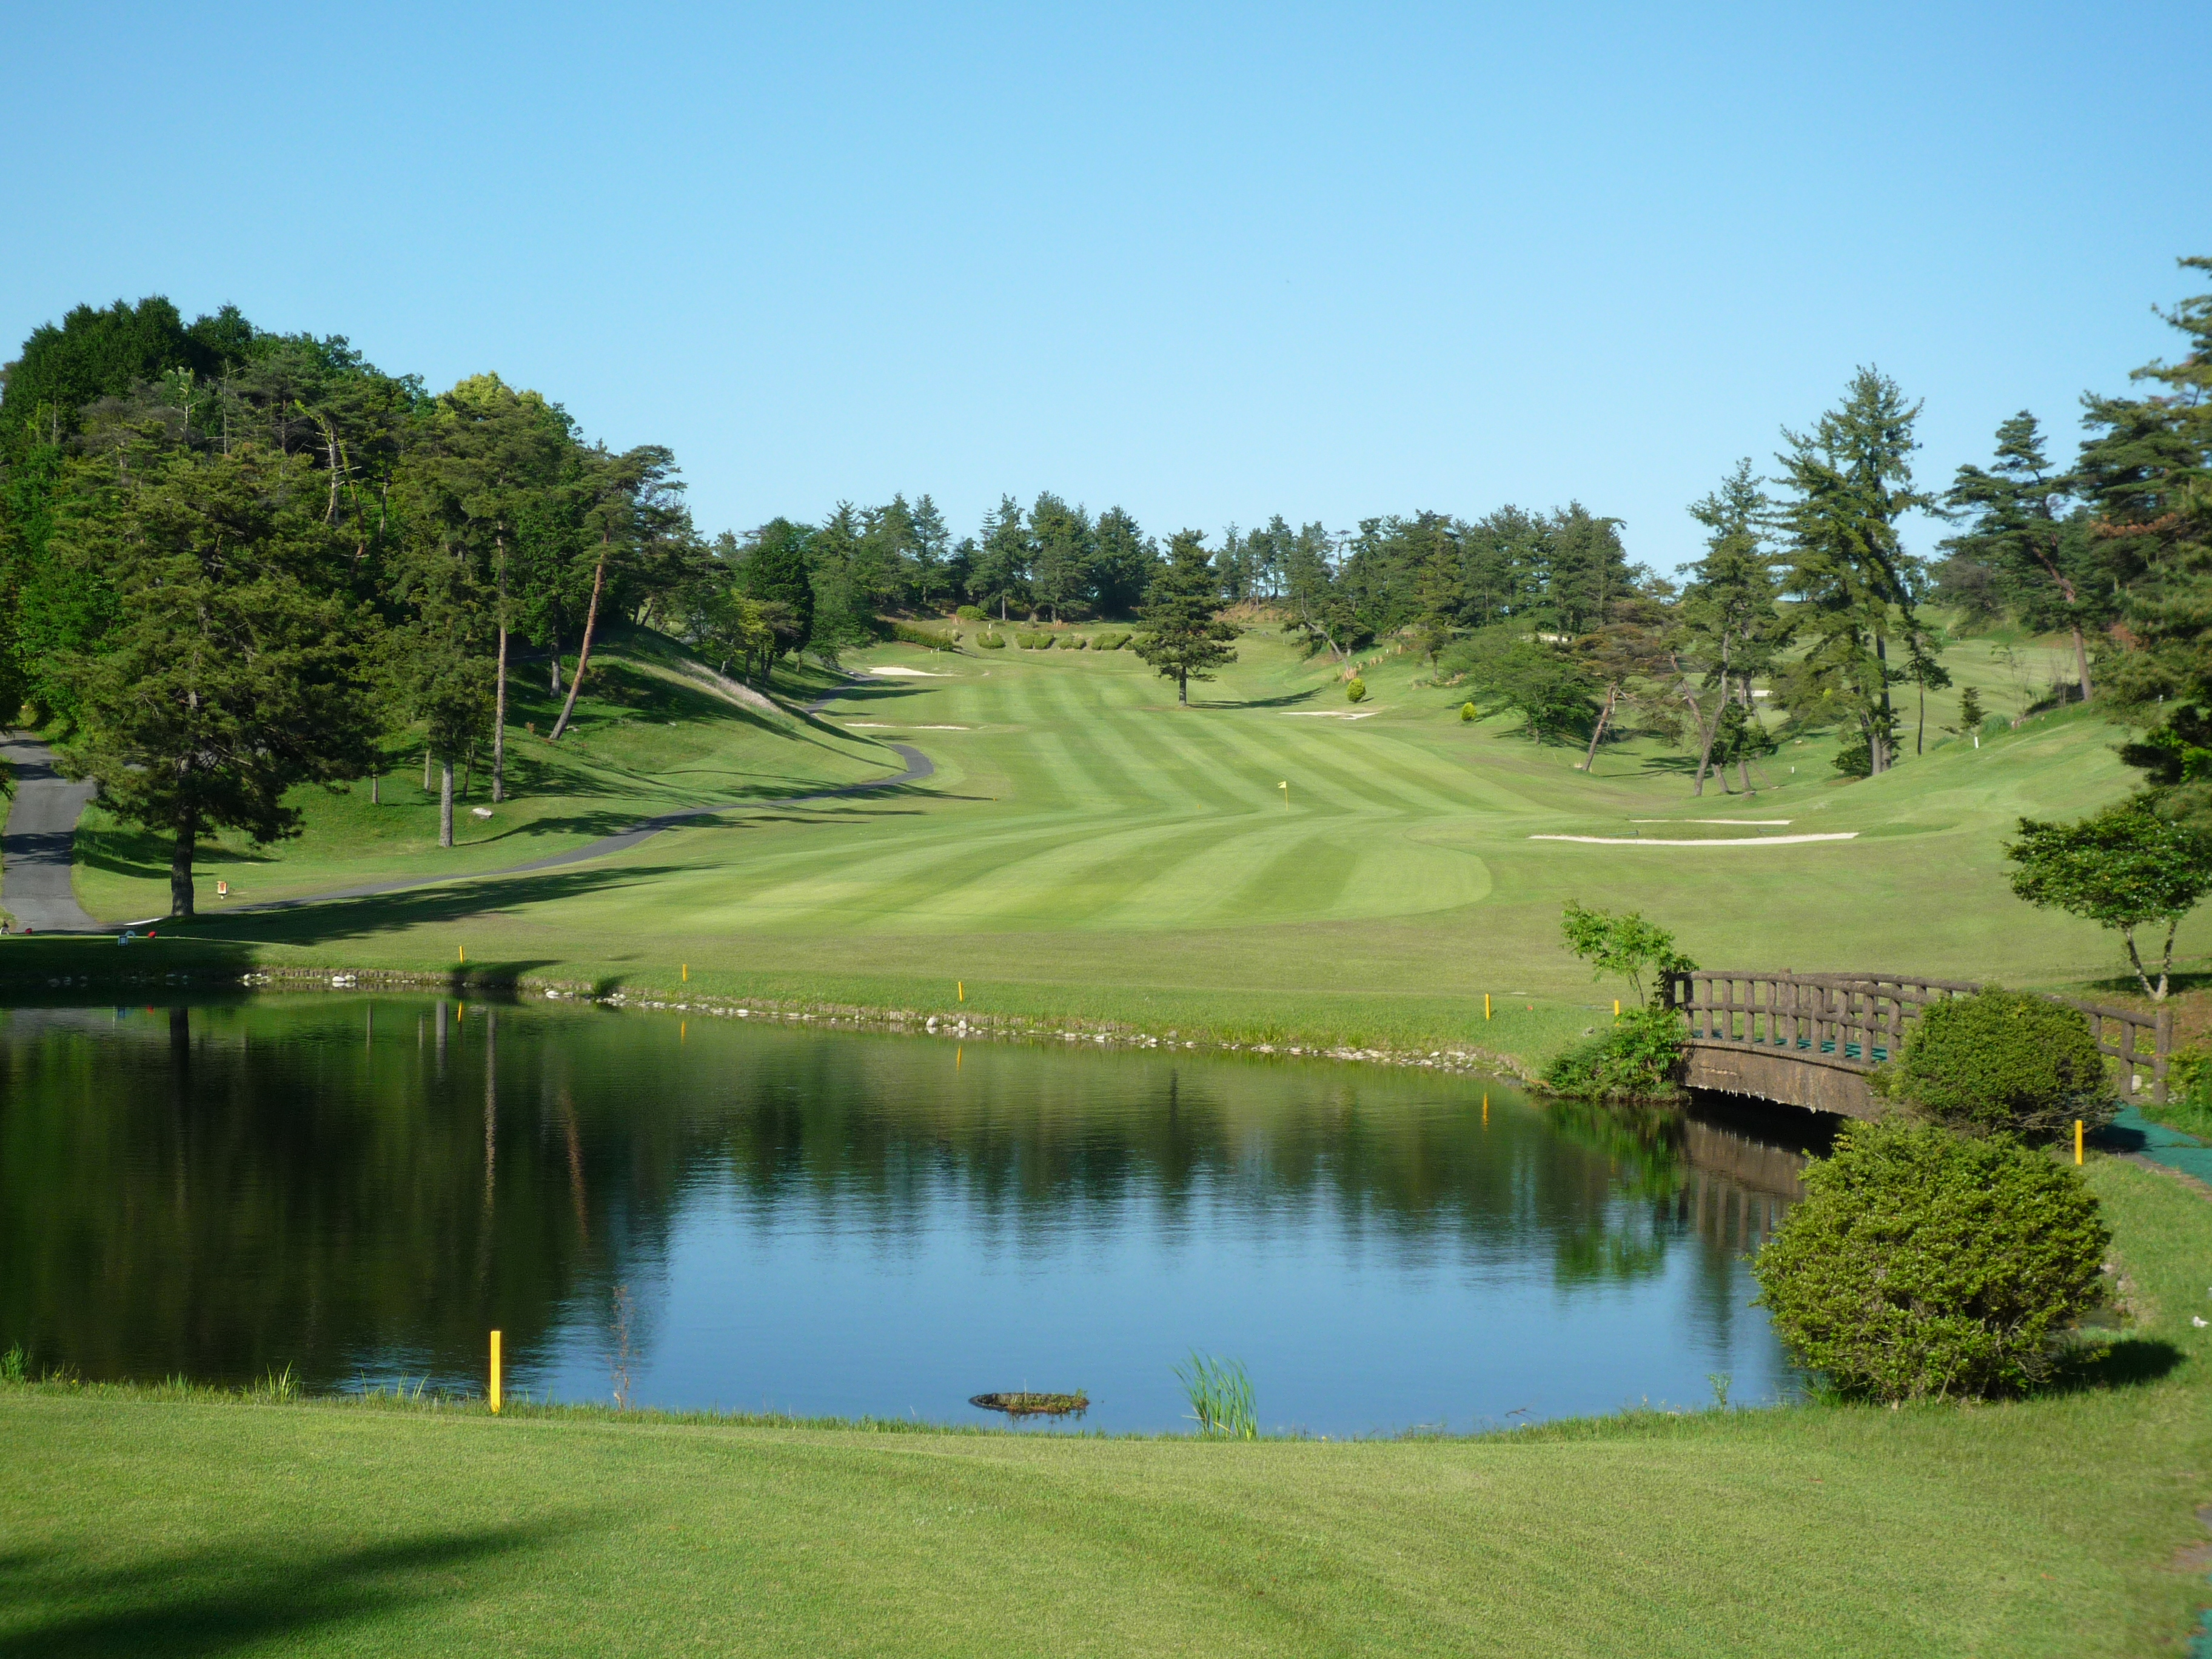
[137, 1523]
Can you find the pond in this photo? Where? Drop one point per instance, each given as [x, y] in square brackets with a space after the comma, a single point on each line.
[709, 1212]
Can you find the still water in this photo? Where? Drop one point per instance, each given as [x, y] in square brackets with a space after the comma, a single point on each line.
[706, 1213]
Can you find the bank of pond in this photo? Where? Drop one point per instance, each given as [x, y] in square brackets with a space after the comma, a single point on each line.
[349, 1191]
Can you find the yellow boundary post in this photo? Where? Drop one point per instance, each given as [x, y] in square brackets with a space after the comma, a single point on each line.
[1485, 1004]
[462, 952]
[2077, 1140]
[962, 986]
[495, 1373]
[687, 973]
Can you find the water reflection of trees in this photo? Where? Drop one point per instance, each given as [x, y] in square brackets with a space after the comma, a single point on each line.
[312, 1181]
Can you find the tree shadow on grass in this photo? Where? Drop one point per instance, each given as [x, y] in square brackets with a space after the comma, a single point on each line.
[2123, 1362]
[1283, 701]
[228, 1598]
[317, 921]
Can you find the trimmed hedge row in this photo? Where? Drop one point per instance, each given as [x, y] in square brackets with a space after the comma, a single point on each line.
[1034, 642]
[990, 641]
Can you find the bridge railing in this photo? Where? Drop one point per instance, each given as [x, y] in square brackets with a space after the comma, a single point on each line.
[1856, 1022]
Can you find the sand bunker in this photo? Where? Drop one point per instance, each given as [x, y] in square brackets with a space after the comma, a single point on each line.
[1331, 714]
[911, 673]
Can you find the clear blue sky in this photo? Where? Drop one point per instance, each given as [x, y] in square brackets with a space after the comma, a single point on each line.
[1209, 262]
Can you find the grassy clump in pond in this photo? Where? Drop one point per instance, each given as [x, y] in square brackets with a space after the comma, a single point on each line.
[2048, 1526]
[1034, 1405]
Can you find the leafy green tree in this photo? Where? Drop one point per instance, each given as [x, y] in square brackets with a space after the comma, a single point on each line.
[1627, 944]
[1584, 569]
[1536, 678]
[484, 474]
[2044, 560]
[772, 571]
[232, 671]
[1187, 635]
[2123, 868]
[1851, 476]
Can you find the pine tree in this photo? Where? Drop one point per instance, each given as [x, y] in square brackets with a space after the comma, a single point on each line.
[1852, 475]
[232, 671]
[1187, 635]
[2044, 563]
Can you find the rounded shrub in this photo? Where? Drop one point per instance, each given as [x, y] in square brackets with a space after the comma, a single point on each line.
[991, 641]
[1923, 1264]
[1467, 712]
[2003, 1060]
[1638, 1057]
[970, 613]
[1356, 689]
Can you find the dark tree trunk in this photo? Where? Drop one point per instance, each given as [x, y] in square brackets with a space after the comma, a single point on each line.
[499, 700]
[2082, 661]
[583, 651]
[1183, 689]
[444, 803]
[180, 868]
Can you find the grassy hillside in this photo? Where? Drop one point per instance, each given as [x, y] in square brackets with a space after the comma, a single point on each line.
[1088, 850]
[2055, 1527]
[651, 731]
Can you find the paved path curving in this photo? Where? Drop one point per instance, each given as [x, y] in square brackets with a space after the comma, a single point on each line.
[34, 854]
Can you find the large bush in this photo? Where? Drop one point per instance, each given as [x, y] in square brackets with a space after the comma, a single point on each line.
[1034, 642]
[991, 641]
[1110, 641]
[1923, 1264]
[1638, 1057]
[2003, 1060]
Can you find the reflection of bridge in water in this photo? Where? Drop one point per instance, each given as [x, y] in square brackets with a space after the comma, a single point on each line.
[1736, 1190]
[1810, 1039]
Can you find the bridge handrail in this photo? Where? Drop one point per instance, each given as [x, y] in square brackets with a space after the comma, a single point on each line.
[1855, 1022]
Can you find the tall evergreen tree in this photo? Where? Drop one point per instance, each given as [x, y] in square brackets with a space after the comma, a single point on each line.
[2044, 560]
[1065, 547]
[1001, 568]
[1183, 609]
[1852, 479]
[1122, 565]
[233, 672]
[1731, 625]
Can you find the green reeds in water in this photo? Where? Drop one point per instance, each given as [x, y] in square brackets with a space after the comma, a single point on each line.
[1220, 1394]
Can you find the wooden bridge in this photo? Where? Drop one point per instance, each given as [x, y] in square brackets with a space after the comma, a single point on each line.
[1810, 1039]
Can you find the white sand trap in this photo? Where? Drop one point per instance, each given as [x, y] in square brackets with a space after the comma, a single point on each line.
[1715, 841]
[882, 726]
[1331, 714]
[1766, 824]
[911, 673]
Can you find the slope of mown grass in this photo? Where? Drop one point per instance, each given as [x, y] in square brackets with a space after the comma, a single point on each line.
[141, 1522]
[1087, 850]
[651, 732]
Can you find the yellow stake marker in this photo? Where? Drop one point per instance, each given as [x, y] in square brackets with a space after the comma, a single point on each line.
[1485, 1004]
[1616, 1008]
[957, 1051]
[687, 973]
[1285, 788]
[2077, 1140]
[495, 1373]
[1486, 1111]
[962, 984]
[464, 950]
